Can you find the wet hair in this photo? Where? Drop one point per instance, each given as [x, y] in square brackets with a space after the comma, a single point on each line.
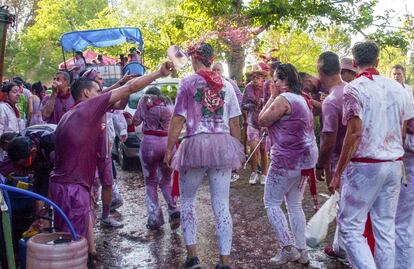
[303, 76]
[18, 80]
[153, 91]
[37, 88]
[27, 85]
[79, 85]
[288, 72]
[19, 148]
[274, 64]
[365, 53]
[329, 63]
[398, 66]
[64, 74]
[8, 86]
[7, 137]
[203, 52]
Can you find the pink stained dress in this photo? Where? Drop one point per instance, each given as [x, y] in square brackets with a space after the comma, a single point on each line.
[208, 142]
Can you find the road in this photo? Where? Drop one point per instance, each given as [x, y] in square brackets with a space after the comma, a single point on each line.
[254, 242]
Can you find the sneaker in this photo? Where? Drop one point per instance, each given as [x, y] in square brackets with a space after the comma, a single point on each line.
[263, 179]
[253, 178]
[111, 223]
[192, 263]
[219, 266]
[330, 252]
[304, 258]
[284, 256]
[175, 220]
[116, 204]
[234, 177]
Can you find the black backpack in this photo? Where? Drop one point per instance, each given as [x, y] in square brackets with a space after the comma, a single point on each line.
[43, 135]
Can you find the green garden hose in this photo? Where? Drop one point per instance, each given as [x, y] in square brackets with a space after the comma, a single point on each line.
[7, 233]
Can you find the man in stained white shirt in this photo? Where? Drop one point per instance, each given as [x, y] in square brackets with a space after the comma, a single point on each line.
[404, 219]
[376, 110]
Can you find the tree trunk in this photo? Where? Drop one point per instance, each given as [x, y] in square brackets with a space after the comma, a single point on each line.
[235, 60]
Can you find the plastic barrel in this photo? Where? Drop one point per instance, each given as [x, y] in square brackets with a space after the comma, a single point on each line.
[43, 251]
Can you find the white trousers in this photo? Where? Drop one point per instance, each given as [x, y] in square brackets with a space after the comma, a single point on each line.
[373, 188]
[219, 180]
[286, 185]
[338, 244]
[404, 220]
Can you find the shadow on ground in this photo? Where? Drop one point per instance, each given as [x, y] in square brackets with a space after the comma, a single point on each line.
[254, 242]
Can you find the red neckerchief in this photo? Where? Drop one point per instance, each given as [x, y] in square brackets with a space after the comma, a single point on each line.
[308, 100]
[76, 103]
[63, 96]
[368, 72]
[214, 81]
[309, 174]
[16, 111]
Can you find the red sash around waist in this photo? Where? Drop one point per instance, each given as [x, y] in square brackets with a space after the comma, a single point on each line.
[156, 132]
[368, 160]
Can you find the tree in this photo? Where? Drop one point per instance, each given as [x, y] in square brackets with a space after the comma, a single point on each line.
[334, 39]
[39, 51]
[24, 12]
[294, 46]
[257, 15]
[390, 56]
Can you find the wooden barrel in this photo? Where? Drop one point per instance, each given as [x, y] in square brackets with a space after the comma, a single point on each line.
[56, 251]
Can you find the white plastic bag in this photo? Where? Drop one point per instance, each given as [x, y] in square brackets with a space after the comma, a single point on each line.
[317, 227]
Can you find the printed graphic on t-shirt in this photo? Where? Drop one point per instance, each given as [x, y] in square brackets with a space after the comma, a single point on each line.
[212, 102]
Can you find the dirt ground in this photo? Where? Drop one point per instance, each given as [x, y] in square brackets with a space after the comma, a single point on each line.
[254, 242]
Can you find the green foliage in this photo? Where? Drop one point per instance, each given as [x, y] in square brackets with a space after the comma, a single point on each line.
[390, 56]
[334, 39]
[169, 90]
[301, 29]
[295, 47]
[38, 51]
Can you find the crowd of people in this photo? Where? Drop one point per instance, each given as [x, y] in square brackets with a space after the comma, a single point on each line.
[367, 133]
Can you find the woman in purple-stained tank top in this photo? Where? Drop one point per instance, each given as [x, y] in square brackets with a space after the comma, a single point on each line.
[154, 111]
[293, 155]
